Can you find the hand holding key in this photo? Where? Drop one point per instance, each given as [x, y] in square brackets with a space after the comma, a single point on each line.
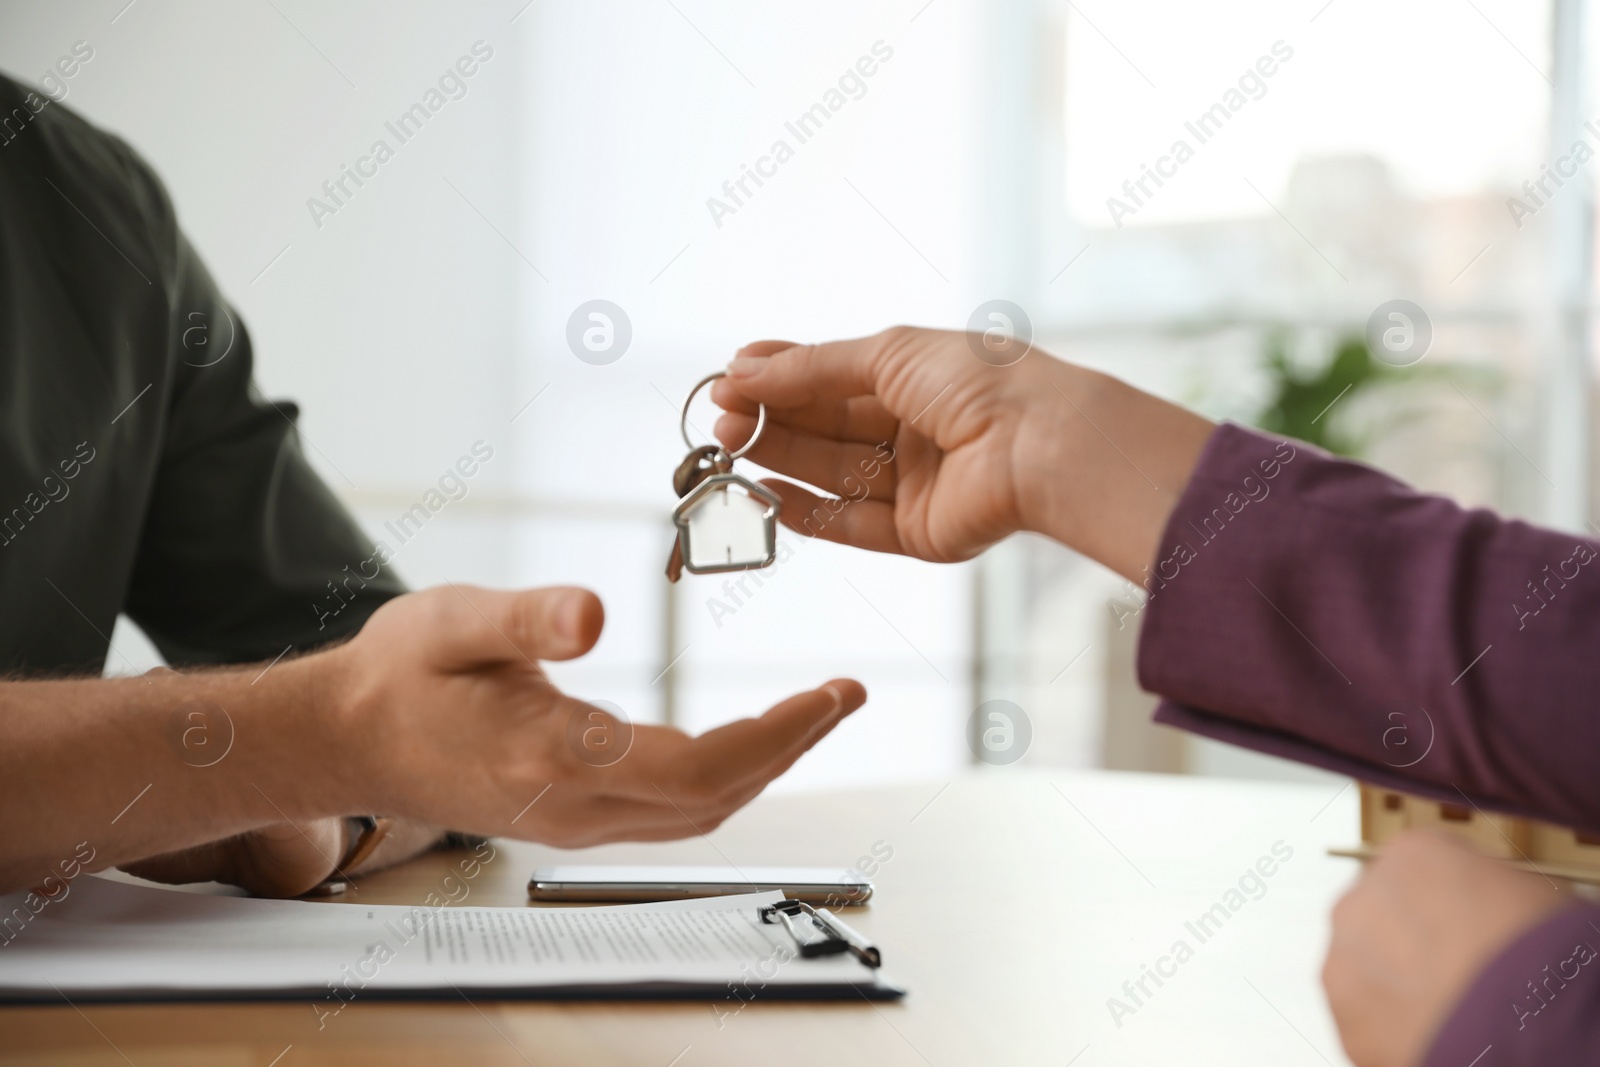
[921, 447]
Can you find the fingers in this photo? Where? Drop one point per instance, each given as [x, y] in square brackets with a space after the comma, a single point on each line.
[868, 524]
[857, 418]
[804, 374]
[907, 371]
[202, 863]
[847, 469]
[668, 786]
[850, 695]
[772, 743]
[708, 773]
[581, 820]
[758, 349]
[474, 627]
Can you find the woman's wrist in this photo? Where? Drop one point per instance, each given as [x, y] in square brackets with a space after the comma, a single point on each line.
[1101, 465]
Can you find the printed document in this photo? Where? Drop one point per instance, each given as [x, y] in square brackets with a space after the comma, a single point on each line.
[110, 940]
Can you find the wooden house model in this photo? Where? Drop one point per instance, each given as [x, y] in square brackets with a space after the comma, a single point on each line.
[1557, 851]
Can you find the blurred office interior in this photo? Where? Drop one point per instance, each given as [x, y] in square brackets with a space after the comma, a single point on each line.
[428, 311]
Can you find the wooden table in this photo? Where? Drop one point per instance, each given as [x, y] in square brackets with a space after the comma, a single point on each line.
[1014, 906]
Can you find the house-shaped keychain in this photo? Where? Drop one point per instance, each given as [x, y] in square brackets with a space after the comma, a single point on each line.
[727, 523]
[724, 522]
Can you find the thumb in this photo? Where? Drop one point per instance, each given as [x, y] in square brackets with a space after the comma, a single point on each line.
[905, 368]
[475, 627]
[790, 376]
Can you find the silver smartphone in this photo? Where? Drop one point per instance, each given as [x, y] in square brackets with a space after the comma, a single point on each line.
[824, 886]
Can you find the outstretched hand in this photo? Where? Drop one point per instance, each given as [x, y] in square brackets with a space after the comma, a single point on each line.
[449, 719]
[439, 712]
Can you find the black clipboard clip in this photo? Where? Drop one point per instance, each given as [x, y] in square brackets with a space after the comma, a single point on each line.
[818, 932]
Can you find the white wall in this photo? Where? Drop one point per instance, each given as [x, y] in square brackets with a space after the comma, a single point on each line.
[636, 113]
[393, 324]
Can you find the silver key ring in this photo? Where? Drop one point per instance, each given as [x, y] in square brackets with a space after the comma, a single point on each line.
[683, 421]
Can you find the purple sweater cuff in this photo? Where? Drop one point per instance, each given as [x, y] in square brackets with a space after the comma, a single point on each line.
[1537, 1004]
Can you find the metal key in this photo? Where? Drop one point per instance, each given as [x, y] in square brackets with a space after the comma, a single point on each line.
[696, 466]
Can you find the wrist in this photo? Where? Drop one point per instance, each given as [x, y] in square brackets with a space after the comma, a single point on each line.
[1103, 465]
[338, 721]
[1050, 450]
[302, 710]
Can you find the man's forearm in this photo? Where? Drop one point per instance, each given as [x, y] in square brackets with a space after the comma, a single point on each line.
[138, 767]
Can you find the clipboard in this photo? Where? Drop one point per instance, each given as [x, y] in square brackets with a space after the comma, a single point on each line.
[110, 941]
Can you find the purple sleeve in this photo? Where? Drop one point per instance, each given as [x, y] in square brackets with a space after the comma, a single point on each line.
[1537, 1003]
[1314, 608]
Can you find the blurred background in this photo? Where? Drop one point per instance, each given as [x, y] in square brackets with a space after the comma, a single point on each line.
[1340, 154]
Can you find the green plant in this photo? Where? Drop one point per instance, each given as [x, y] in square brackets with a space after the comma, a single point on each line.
[1301, 405]
[1310, 405]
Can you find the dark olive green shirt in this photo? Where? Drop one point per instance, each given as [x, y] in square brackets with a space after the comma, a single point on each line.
[140, 470]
